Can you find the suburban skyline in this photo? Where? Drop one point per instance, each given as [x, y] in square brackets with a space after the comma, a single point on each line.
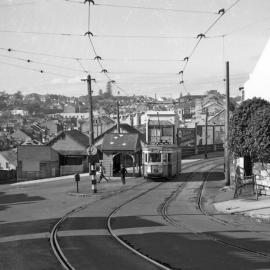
[142, 45]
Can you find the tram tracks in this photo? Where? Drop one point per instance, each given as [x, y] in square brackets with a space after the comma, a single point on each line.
[54, 239]
[163, 211]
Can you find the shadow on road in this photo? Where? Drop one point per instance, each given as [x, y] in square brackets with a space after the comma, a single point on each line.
[17, 198]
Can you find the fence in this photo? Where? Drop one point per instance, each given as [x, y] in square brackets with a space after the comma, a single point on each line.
[7, 176]
[193, 140]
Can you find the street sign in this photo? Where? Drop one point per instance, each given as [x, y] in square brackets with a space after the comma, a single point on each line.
[92, 150]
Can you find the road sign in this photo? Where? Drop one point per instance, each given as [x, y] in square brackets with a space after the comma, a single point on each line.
[92, 150]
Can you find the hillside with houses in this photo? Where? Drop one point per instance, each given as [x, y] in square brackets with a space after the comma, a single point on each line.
[57, 123]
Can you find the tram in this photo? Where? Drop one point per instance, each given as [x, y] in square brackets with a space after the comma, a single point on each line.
[161, 161]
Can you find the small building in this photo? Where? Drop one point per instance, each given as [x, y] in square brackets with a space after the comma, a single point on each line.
[122, 148]
[8, 160]
[37, 161]
[72, 148]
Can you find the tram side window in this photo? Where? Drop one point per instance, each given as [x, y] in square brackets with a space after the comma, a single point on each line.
[169, 157]
[145, 157]
[154, 157]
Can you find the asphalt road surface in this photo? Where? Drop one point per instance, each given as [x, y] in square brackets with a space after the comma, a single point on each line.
[165, 221]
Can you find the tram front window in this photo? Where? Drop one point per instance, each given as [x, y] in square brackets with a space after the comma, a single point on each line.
[154, 157]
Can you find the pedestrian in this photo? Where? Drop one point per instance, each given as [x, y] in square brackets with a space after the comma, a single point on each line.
[102, 173]
[123, 172]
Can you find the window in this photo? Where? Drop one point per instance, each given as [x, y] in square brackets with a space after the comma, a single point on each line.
[7, 165]
[167, 131]
[169, 157]
[154, 157]
[145, 157]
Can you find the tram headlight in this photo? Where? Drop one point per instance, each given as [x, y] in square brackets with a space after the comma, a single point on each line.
[148, 169]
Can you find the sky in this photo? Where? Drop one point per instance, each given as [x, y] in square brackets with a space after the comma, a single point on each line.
[142, 49]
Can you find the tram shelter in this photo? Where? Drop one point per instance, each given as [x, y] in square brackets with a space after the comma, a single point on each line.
[123, 148]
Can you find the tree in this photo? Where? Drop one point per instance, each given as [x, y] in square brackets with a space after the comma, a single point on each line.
[248, 130]
[260, 131]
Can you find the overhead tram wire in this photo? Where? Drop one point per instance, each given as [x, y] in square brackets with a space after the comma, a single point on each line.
[82, 66]
[97, 57]
[41, 63]
[42, 33]
[221, 12]
[41, 71]
[156, 9]
[44, 54]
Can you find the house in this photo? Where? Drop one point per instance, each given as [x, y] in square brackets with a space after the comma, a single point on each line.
[8, 160]
[18, 111]
[26, 135]
[37, 161]
[72, 148]
[68, 108]
[100, 125]
[52, 127]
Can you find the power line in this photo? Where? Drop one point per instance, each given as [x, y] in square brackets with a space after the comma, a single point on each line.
[97, 57]
[156, 9]
[143, 36]
[42, 33]
[42, 63]
[103, 35]
[41, 71]
[82, 66]
[221, 12]
[44, 54]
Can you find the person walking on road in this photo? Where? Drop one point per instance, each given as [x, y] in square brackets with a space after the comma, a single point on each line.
[123, 172]
[102, 173]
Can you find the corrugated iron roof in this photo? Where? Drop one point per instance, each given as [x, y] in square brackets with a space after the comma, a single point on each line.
[160, 123]
[76, 135]
[120, 142]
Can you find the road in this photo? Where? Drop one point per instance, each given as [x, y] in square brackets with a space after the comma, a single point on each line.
[172, 223]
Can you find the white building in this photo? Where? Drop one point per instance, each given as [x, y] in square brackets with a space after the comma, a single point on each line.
[258, 84]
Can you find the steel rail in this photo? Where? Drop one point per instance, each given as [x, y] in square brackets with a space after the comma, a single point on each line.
[132, 249]
[225, 243]
[53, 234]
[163, 210]
[60, 256]
[118, 239]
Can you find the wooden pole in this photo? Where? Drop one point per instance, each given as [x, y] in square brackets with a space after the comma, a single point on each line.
[227, 118]
[206, 132]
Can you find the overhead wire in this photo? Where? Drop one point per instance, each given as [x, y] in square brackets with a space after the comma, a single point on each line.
[44, 54]
[42, 33]
[42, 71]
[97, 57]
[156, 9]
[38, 62]
[220, 14]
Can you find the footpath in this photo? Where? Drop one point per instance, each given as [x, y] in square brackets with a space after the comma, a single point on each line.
[220, 198]
[247, 206]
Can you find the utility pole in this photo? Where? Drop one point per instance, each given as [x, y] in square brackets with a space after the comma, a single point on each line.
[206, 132]
[118, 117]
[227, 119]
[91, 150]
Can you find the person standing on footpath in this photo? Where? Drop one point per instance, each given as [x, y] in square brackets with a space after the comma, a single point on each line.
[123, 172]
[102, 173]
